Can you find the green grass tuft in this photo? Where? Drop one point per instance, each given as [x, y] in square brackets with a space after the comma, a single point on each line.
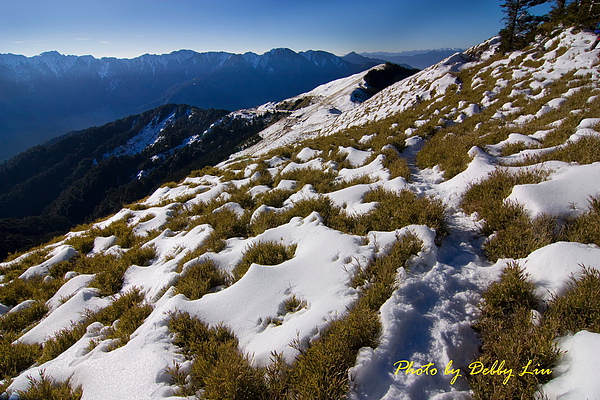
[579, 307]
[16, 357]
[47, 388]
[508, 334]
[263, 253]
[199, 279]
[516, 235]
[219, 369]
[17, 322]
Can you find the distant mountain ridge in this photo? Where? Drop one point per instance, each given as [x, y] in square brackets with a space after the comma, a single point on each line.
[420, 59]
[50, 94]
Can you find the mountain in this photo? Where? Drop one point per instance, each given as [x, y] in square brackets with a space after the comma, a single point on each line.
[437, 240]
[89, 174]
[355, 58]
[420, 59]
[47, 95]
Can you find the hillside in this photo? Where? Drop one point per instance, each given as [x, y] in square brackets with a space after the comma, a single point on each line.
[354, 242]
[50, 94]
[90, 174]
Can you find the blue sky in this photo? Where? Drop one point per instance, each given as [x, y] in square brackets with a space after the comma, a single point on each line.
[129, 28]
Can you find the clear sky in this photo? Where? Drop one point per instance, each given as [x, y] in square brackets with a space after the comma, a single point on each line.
[129, 28]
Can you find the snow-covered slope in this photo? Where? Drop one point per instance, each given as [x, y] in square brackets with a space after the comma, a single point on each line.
[435, 297]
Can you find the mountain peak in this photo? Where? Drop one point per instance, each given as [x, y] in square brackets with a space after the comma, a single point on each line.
[51, 54]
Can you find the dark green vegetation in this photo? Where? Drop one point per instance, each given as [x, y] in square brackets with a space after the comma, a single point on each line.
[521, 27]
[80, 183]
[378, 79]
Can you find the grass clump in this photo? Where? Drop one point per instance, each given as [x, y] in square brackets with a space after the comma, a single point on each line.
[293, 304]
[82, 243]
[397, 210]
[487, 197]
[227, 223]
[30, 259]
[16, 357]
[129, 321]
[47, 388]
[302, 208]
[274, 198]
[586, 150]
[321, 371]
[124, 233]
[378, 280]
[586, 227]
[128, 308]
[35, 288]
[110, 270]
[219, 369]
[395, 163]
[18, 321]
[109, 280]
[516, 235]
[394, 211]
[263, 253]
[61, 341]
[522, 235]
[507, 333]
[579, 307]
[266, 220]
[321, 180]
[199, 278]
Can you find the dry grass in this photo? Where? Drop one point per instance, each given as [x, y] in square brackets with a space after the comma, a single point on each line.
[508, 334]
[199, 278]
[263, 253]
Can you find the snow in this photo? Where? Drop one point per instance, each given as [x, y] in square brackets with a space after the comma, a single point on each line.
[428, 318]
[529, 141]
[318, 273]
[307, 153]
[145, 357]
[355, 157]
[479, 168]
[576, 376]
[67, 314]
[59, 254]
[374, 170]
[148, 136]
[565, 193]
[69, 289]
[551, 267]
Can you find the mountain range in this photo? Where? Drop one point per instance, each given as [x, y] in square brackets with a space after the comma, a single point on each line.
[51, 94]
[420, 59]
